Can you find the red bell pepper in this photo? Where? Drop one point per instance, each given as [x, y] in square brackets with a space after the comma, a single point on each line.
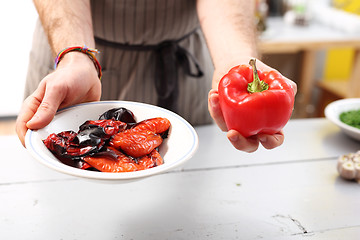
[255, 102]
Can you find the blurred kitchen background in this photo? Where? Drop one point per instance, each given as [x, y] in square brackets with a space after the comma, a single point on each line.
[313, 42]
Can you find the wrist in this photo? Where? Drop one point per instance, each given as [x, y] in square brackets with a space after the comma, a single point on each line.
[79, 55]
[77, 60]
[74, 58]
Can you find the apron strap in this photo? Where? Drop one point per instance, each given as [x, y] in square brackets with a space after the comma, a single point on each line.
[169, 57]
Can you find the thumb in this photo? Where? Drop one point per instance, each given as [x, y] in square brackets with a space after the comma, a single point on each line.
[46, 110]
[215, 109]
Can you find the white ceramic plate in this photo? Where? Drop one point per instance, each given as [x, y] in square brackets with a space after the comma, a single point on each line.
[334, 109]
[181, 144]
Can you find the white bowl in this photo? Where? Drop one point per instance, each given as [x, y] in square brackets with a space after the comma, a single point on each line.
[181, 144]
[334, 109]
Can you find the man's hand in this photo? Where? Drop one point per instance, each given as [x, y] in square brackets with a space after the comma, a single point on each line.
[249, 144]
[74, 81]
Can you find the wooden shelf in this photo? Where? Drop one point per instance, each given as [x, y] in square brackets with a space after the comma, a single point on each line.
[338, 88]
[331, 91]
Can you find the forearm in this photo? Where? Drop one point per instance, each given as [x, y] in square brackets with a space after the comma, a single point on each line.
[229, 29]
[66, 23]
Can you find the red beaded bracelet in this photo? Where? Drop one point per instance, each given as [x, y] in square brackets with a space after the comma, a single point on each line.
[88, 51]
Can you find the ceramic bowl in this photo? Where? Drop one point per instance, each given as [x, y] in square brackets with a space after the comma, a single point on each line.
[334, 109]
[179, 147]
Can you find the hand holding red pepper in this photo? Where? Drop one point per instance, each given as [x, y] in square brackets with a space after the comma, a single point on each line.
[253, 111]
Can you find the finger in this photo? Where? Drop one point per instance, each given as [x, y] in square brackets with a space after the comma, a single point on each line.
[47, 108]
[292, 84]
[27, 111]
[215, 109]
[271, 141]
[241, 143]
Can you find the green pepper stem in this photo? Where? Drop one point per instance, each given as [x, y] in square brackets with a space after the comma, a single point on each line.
[256, 85]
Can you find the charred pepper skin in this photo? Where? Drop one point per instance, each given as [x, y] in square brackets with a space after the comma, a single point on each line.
[119, 114]
[90, 138]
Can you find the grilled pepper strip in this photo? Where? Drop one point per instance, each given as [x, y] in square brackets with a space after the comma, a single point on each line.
[142, 138]
[112, 160]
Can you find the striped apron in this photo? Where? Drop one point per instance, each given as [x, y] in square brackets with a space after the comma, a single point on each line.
[151, 51]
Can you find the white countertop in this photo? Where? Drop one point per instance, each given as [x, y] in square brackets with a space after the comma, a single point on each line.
[286, 193]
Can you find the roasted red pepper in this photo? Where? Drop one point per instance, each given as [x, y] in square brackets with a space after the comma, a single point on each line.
[255, 102]
[113, 160]
[133, 145]
[142, 138]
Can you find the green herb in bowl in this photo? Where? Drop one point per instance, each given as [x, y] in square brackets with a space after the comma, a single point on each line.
[351, 118]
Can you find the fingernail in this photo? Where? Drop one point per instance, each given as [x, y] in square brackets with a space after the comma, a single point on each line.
[32, 120]
[263, 139]
[234, 138]
[213, 102]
